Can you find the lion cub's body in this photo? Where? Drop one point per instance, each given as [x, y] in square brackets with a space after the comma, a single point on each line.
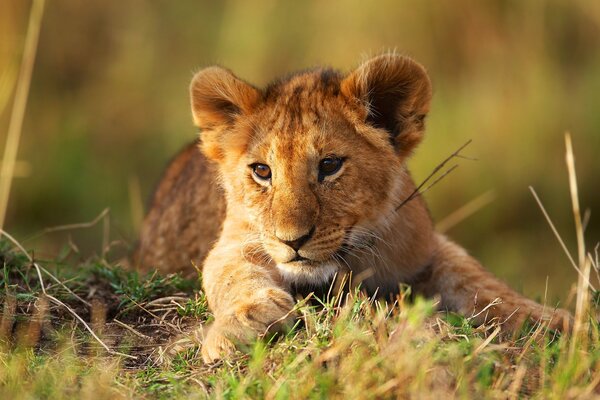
[185, 217]
[263, 210]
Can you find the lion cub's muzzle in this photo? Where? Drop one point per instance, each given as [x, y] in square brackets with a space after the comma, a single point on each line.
[296, 244]
[318, 245]
[309, 259]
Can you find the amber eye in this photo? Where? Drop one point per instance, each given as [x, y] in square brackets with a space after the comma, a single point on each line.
[329, 166]
[261, 171]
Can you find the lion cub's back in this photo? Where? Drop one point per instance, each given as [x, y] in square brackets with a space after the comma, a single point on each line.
[185, 215]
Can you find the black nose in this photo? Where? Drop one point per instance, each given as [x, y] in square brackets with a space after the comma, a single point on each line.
[297, 243]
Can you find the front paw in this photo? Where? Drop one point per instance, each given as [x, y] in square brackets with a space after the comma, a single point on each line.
[270, 310]
[216, 345]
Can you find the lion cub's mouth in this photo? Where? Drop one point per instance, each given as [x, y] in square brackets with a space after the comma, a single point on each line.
[299, 258]
[306, 271]
[301, 263]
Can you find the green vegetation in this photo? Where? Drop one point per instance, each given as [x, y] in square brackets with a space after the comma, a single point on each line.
[346, 346]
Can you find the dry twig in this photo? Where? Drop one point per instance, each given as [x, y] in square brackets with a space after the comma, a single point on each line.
[19, 105]
[67, 227]
[558, 237]
[418, 192]
[131, 329]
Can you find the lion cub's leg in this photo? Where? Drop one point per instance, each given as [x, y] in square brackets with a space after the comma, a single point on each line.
[246, 299]
[466, 287]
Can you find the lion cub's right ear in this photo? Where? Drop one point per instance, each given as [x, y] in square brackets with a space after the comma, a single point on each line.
[218, 98]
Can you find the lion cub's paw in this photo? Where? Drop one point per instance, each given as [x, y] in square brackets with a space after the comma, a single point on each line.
[269, 310]
[216, 345]
[180, 344]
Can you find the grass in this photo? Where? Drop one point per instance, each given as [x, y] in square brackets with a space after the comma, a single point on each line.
[342, 347]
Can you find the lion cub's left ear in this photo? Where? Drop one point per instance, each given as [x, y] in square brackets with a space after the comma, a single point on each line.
[396, 93]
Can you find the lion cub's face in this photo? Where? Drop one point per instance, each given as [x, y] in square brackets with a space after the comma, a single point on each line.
[313, 163]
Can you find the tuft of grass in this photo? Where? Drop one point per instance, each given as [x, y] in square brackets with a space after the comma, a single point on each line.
[133, 288]
[26, 373]
[196, 307]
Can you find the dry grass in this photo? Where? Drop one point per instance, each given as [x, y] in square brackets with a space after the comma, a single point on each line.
[7, 169]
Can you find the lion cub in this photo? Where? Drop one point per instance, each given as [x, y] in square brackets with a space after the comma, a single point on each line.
[302, 180]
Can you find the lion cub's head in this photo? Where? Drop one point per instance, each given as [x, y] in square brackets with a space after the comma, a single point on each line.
[314, 162]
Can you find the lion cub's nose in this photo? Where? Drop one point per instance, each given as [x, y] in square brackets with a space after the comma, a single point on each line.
[299, 242]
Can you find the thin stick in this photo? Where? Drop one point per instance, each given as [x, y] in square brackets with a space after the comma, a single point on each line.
[486, 341]
[130, 329]
[570, 159]
[18, 111]
[159, 319]
[452, 168]
[584, 283]
[169, 300]
[35, 265]
[417, 192]
[558, 237]
[90, 330]
[81, 225]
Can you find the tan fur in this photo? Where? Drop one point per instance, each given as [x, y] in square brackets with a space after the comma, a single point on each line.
[347, 222]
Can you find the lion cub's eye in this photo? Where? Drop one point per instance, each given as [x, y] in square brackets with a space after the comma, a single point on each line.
[261, 171]
[329, 166]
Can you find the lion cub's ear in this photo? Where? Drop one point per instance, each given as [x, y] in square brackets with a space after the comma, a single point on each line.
[218, 98]
[396, 93]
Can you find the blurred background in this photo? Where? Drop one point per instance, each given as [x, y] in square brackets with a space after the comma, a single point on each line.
[108, 107]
